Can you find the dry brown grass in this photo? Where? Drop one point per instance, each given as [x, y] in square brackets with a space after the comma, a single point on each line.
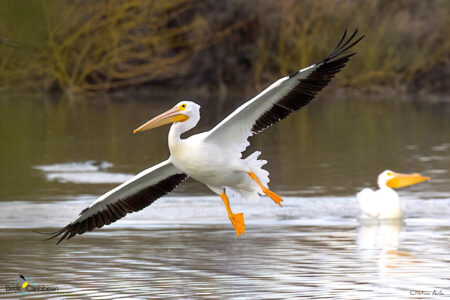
[89, 46]
[103, 45]
[402, 38]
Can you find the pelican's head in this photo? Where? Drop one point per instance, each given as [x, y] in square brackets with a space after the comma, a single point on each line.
[397, 180]
[185, 113]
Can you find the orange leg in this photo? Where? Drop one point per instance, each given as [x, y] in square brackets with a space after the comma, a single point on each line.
[277, 199]
[236, 219]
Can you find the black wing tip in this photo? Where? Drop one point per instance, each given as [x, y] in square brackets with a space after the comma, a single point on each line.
[42, 232]
[72, 229]
[54, 234]
[341, 50]
[65, 231]
[343, 46]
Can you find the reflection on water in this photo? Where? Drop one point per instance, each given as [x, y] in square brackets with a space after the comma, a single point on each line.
[392, 259]
[57, 156]
[383, 234]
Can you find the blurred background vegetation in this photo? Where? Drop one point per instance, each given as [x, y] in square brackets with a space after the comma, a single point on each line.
[81, 46]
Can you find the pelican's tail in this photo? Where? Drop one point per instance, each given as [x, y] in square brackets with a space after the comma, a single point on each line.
[255, 165]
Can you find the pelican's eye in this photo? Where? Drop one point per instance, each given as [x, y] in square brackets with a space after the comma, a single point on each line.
[182, 107]
[389, 173]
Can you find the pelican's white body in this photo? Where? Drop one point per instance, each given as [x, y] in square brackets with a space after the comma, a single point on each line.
[383, 203]
[216, 166]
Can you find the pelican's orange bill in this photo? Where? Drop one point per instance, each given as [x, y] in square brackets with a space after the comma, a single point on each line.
[402, 180]
[170, 116]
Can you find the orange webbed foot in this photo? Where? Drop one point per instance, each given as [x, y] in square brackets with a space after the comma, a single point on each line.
[238, 222]
[277, 199]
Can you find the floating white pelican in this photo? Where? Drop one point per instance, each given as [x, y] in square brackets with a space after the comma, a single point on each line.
[385, 203]
[214, 157]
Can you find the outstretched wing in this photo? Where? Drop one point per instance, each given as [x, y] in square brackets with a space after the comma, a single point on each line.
[283, 97]
[131, 196]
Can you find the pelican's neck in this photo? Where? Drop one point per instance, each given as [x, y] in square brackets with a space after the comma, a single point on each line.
[175, 135]
[178, 128]
[388, 202]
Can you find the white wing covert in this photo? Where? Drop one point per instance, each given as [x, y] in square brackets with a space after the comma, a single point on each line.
[368, 203]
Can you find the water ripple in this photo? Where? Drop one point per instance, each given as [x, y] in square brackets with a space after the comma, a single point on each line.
[276, 261]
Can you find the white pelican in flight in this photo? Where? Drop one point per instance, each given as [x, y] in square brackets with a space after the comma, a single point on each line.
[385, 203]
[214, 157]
